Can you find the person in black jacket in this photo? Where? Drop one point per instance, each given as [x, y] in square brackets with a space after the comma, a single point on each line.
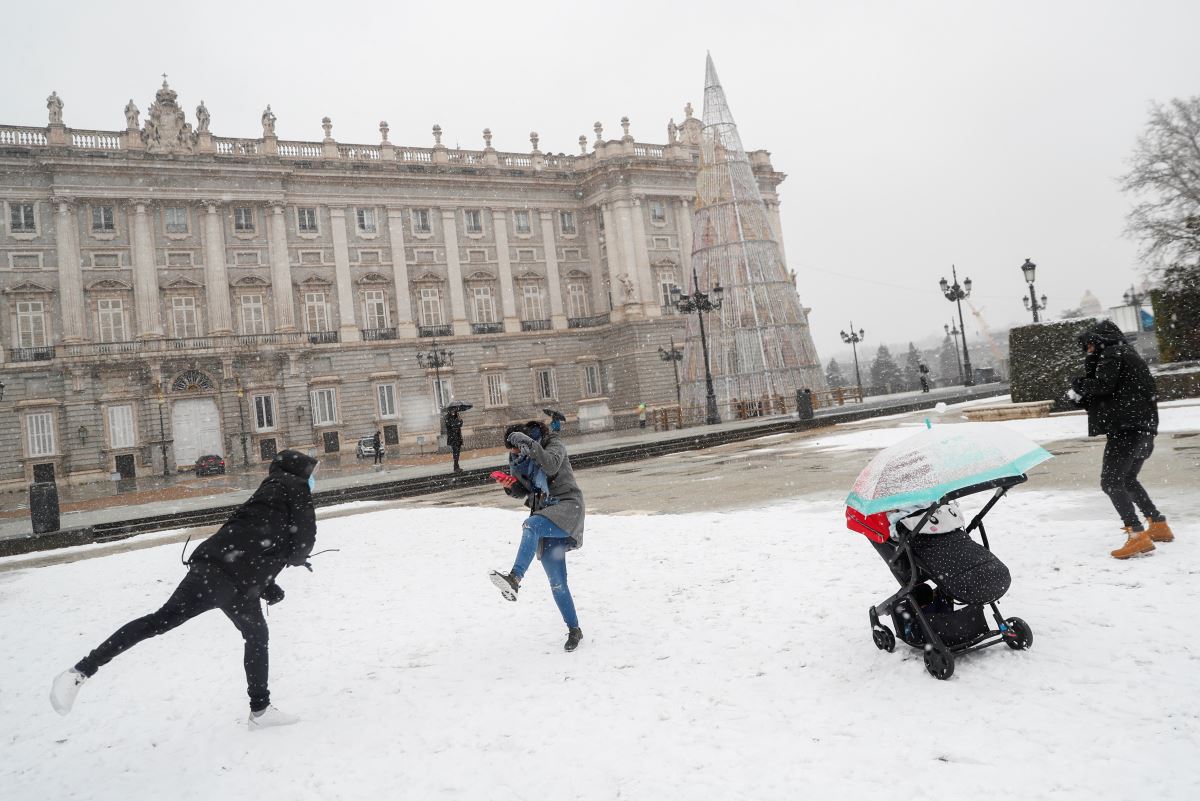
[377, 445]
[1119, 394]
[231, 571]
[454, 439]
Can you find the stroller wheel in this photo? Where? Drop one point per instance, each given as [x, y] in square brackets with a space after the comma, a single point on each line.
[939, 663]
[884, 639]
[1019, 636]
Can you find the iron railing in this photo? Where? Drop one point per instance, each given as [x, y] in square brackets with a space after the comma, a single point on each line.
[374, 334]
[587, 322]
[433, 330]
[535, 325]
[487, 328]
[40, 354]
[322, 337]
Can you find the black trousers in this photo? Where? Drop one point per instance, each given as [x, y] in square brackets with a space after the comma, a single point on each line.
[379, 456]
[1124, 455]
[203, 588]
[456, 450]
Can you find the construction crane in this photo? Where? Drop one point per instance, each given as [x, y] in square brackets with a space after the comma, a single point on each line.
[997, 355]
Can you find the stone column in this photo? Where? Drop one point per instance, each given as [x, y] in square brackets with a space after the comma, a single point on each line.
[281, 271]
[650, 299]
[599, 295]
[347, 328]
[70, 272]
[684, 212]
[145, 277]
[458, 313]
[216, 278]
[405, 327]
[508, 301]
[616, 266]
[622, 239]
[557, 318]
[777, 224]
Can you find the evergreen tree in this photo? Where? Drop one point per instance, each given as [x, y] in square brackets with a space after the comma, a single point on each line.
[886, 376]
[833, 374]
[948, 362]
[912, 368]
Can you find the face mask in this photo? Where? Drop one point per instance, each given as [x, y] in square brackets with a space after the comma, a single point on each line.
[312, 484]
[556, 425]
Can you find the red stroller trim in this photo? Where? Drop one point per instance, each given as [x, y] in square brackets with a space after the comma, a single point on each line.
[875, 527]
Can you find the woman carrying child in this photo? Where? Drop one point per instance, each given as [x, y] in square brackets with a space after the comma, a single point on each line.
[540, 473]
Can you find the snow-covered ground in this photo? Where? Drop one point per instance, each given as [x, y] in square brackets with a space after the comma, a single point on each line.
[727, 656]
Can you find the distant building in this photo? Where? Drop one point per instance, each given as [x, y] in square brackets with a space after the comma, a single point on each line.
[163, 286]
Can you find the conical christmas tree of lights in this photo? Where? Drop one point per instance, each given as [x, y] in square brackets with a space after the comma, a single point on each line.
[760, 347]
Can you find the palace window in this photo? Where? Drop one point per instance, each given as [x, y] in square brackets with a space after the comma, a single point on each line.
[658, 212]
[485, 308]
[254, 319]
[264, 412]
[375, 308]
[591, 380]
[366, 220]
[531, 302]
[324, 406]
[316, 311]
[497, 389]
[566, 221]
[110, 318]
[39, 428]
[175, 219]
[21, 218]
[473, 221]
[577, 300]
[104, 218]
[31, 324]
[386, 394]
[120, 427]
[306, 220]
[183, 317]
[544, 384]
[431, 306]
[443, 391]
[521, 221]
[243, 219]
[420, 221]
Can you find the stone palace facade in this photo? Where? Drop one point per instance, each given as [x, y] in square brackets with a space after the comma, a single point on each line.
[168, 292]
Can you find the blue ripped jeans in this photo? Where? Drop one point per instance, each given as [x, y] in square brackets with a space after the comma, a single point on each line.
[554, 561]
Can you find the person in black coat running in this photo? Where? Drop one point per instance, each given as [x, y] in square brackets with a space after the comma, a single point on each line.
[1119, 394]
[231, 571]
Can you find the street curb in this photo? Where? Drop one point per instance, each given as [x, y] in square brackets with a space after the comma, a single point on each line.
[426, 485]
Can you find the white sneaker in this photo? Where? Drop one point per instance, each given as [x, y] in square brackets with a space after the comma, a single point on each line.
[269, 717]
[64, 689]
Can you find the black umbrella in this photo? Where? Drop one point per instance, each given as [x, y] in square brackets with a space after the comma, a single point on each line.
[554, 414]
[457, 406]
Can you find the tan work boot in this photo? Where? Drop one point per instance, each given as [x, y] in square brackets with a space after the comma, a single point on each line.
[1138, 542]
[1159, 531]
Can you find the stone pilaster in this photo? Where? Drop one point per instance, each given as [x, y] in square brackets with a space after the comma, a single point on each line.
[508, 301]
[684, 215]
[347, 328]
[600, 297]
[616, 266]
[70, 271]
[145, 274]
[557, 318]
[458, 313]
[622, 240]
[405, 327]
[216, 278]
[281, 271]
[641, 255]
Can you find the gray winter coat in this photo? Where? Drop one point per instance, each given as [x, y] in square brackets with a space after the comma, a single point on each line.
[568, 513]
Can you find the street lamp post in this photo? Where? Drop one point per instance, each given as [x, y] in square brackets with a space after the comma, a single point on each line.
[1031, 302]
[162, 431]
[241, 393]
[701, 303]
[1134, 298]
[952, 331]
[955, 294]
[437, 358]
[674, 357]
[852, 339]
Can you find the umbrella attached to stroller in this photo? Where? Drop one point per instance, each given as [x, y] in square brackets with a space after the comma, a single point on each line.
[921, 475]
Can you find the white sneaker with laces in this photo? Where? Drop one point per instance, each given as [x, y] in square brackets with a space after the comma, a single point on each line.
[64, 689]
[268, 718]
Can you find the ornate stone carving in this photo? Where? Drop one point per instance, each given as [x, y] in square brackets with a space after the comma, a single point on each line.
[327, 127]
[687, 111]
[672, 132]
[599, 129]
[54, 105]
[167, 130]
[533, 140]
[625, 127]
[383, 130]
[583, 144]
[437, 135]
[487, 138]
[627, 287]
[268, 122]
[202, 118]
[131, 116]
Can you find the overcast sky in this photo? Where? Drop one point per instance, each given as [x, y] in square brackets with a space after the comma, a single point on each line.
[914, 134]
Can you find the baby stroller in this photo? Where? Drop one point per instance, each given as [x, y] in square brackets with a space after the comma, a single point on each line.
[946, 581]
[906, 503]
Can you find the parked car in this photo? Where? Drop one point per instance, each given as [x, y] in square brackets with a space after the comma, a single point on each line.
[211, 465]
[365, 448]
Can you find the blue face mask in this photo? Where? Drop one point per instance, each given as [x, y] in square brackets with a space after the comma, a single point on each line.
[312, 484]
[556, 425]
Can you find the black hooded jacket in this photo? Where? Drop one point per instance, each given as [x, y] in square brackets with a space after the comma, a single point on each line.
[1117, 388]
[275, 528]
[454, 425]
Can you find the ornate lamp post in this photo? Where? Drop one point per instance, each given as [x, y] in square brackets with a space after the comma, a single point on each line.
[852, 339]
[701, 303]
[952, 331]
[674, 357]
[162, 431]
[1133, 297]
[241, 393]
[955, 294]
[437, 358]
[1031, 302]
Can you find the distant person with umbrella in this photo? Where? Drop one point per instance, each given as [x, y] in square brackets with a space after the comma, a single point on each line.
[377, 445]
[454, 426]
[557, 419]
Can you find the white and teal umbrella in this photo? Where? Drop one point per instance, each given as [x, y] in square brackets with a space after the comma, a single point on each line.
[920, 470]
